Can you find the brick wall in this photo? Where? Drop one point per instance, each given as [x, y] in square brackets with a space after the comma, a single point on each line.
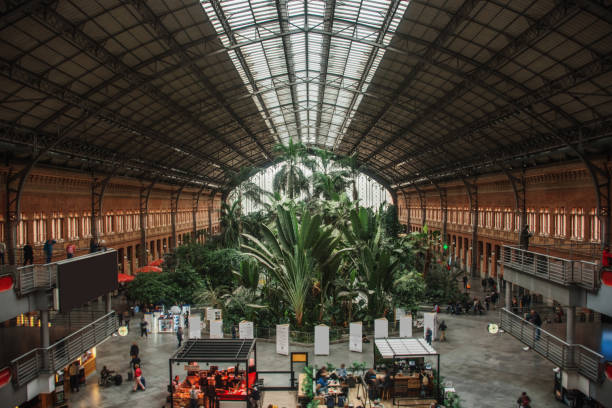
[561, 207]
[57, 204]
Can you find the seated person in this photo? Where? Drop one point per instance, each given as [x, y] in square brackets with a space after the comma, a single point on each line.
[341, 372]
[203, 380]
[219, 383]
[236, 382]
[175, 383]
[370, 377]
[322, 384]
[105, 373]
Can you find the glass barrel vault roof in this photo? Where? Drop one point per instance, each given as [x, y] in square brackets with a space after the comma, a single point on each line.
[306, 63]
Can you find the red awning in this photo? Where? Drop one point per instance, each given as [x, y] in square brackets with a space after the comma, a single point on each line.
[156, 262]
[122, 277]
[148, 268]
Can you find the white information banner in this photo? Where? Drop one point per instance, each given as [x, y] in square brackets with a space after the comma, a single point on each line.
[195, 327]
[321, 346]
[405, 326]
[430, 321]
[381, 328]
[399, 313]
[216, 329]
[245, 330]
[356, 337]
[282, 339]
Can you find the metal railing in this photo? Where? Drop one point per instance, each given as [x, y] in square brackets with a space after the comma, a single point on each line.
[57, 356]
[567, 356]
[554, 269]
[34, 277]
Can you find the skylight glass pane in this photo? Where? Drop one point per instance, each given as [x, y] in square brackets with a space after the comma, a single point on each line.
[280, 60]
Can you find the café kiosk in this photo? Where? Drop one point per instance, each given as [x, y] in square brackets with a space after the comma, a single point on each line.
[227, 365]
[411, 361]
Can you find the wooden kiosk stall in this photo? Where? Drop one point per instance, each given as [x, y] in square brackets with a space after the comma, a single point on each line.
[409, 361]
[223, 371]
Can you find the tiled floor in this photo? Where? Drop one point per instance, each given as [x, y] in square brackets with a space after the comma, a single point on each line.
[487, 370]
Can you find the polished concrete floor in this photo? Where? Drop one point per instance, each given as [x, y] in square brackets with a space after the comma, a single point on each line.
[486, 370]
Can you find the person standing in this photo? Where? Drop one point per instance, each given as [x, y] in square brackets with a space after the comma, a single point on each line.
[465, 281]
[524, 238]
[2, 252]
[442, 331]
[126, 319]
[193, 397]
[428, 335]
[73, 372]
[179, 336]
[143, 328]
[70, 250]
[134, 354]
[524, 401]
[28, 254]
[536, 320]
[48, 249]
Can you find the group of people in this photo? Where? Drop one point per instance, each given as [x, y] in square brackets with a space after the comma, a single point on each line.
[207, 382]
[139, 381]
[71, 248]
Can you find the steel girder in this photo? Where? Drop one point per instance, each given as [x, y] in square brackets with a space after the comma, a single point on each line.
[79, 149]
[535, 31]
[460, 16]
[150, 18]
[472, 192]
[175, 196]
[145, 194]
[70, 32]
[91, 109]
[381, 33]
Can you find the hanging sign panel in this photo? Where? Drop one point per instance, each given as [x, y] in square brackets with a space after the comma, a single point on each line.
[195, 327]
[216, 329]
[282, 339]
[321, 346]
[381, 328]
[245, 330]
[356, 337]
[405, 326]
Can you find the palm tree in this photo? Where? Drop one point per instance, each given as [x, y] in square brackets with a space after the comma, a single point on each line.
[230, 223]
[352, 164]
[290, 179]
[298, 253]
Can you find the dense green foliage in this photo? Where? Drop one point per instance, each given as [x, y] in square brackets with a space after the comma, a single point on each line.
[320, 258]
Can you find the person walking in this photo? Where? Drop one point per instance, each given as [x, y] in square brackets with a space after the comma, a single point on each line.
[70, 250]
[179, 336]
[126, 319]
[73, 372]
[2, 252]
[134, 351]
[143, 328]
[139, 383]
[442, 328]
[48, 249]
[28, 254]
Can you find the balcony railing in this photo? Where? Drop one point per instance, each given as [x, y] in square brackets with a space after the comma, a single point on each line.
[35, 277]
[567, 356]
[57, 356]
[551, 268]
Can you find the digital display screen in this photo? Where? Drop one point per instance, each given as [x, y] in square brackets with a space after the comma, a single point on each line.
[84, 278]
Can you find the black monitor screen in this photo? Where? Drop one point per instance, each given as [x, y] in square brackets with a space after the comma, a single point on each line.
[84, 278]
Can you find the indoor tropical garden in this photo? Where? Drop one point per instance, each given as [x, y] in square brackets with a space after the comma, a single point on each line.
[308, 249]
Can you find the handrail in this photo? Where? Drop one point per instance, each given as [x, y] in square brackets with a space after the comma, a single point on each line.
[567, 356]
[562, 271]
[28, 366]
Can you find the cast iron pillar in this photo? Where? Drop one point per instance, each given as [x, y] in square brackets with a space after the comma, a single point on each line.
[472, 191]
